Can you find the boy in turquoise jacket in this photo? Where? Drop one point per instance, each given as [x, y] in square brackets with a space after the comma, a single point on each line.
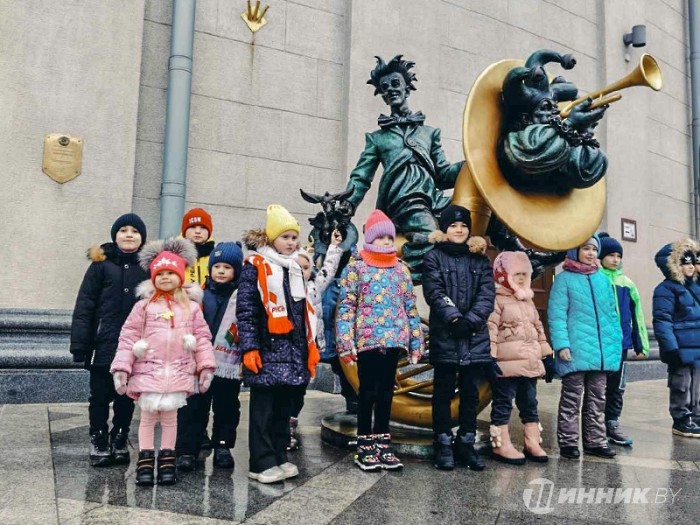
[634, 333]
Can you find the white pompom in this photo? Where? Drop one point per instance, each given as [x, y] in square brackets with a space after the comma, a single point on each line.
[140, 348]
[190, 342]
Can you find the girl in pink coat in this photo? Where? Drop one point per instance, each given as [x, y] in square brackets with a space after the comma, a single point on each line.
[519, 344]
[164, 346]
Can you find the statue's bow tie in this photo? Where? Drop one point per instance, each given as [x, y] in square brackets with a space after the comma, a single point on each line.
[416, 119]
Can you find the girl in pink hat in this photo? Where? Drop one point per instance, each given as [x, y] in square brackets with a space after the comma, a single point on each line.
[519, 344]
[164, 346]
[377, 322]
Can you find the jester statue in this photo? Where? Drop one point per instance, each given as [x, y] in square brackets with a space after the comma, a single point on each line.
[415, 169]
[540, 151]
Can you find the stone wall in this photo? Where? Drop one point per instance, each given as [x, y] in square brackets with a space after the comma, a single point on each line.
[66, 69]
[289, 106]
[266, 116]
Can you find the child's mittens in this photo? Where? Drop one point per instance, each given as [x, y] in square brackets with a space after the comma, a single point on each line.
[120, 382]
[252, 361]
[206, 376]
[348, 358]
[414, 357]
[313, 360]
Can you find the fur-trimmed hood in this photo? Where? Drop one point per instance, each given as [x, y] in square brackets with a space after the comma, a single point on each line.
[476, 244]
[668, 259]
[177, 245]
[108, 252]
[256, 238]
[146, 289]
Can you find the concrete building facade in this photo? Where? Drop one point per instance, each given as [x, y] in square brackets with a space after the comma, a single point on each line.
[287, 108]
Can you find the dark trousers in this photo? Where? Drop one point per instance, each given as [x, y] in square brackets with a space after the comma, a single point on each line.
[445, 379]
[268, 427]
[193, 418]
[590, 386]
[684, 392]
[614, 391]
[102, 393]
[376, 372]
[523, 390]
[298, 401]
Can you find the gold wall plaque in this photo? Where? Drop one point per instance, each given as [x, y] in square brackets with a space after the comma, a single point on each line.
[63, 157]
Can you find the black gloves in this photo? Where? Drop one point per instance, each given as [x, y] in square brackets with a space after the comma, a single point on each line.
[549, 373]
[461, 328]
[78, 357]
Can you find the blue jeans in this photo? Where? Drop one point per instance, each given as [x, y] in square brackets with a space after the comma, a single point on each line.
[523, 390]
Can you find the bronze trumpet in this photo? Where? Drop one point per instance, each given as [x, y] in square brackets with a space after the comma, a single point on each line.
[647, 73]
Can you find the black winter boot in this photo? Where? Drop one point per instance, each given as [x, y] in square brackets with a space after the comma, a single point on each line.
[366, 456]
[385, 452]
[118, 444]
[222, 456]
[100, 455]
[144, 468]
[615, 434]
[465, 452]
[186, 463]
[444, 455]
[686, 427]
[166, 467]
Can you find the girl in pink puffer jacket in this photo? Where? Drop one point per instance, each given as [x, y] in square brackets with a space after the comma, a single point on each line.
[164, 346]
[519, 344]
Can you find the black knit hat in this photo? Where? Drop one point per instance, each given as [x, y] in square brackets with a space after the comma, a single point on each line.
[609, 245]
[688, 257]
[129, 219]
[454, 213]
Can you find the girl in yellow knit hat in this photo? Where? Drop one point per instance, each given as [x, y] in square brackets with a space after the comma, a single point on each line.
[277, 329]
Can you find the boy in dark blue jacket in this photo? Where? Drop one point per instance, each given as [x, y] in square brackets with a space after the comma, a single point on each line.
[677, 329]
[219, 308]
[106, 297]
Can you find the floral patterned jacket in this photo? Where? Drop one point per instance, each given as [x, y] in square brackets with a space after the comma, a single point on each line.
[377, 310]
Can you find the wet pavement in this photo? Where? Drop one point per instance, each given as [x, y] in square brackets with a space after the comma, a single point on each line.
[45, 478]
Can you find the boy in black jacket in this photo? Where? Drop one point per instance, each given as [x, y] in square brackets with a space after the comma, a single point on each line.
[106, 297]
[458, 287]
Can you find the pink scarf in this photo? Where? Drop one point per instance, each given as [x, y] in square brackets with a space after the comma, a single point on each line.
[578, 267]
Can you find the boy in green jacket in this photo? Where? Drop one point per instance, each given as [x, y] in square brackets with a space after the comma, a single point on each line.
[634, 333]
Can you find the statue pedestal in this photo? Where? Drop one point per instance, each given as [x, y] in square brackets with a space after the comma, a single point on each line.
[340, 430]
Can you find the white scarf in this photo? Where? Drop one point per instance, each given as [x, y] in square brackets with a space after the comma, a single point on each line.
[297, 286]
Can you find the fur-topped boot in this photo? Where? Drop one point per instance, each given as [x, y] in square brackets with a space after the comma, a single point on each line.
[532, 434]
[502, 448]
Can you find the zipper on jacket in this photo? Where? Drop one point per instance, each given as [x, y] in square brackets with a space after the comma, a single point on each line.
[597, 322]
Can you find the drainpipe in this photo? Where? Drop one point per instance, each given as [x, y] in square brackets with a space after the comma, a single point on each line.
[177, 119]
[694, 36]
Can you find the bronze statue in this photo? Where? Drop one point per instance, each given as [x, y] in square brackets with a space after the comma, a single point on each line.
[415, 169]
[539, 151]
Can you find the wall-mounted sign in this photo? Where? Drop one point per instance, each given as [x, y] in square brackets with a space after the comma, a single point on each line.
[629, 230]
[63, 157]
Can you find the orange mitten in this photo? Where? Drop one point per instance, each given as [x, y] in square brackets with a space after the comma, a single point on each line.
[314, 359]
[252, 361]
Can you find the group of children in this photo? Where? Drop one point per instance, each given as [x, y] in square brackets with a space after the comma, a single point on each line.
[178, 324]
